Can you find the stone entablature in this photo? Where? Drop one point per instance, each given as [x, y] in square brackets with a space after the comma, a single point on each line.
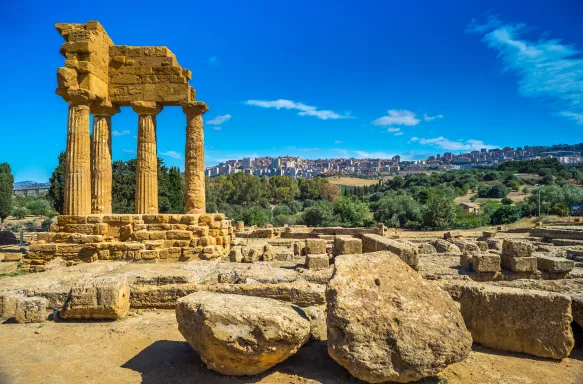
[86, 238]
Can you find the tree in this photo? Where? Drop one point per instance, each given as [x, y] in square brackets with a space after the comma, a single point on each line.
[283, 189]
[506, 201]
[124, 186]
[6, 190]
[39, 207]
[329, 191]
[440, 211]
[506, 214]
[56, 193]
[170, 189]
[352, 213]
[256, 216]
[398, 210]
[320, 214]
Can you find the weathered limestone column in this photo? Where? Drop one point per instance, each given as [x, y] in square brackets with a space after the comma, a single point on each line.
[78, 156]
[147, 159]
[101, 159]
[194, 183]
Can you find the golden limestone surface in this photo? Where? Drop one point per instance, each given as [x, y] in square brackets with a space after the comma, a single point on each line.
[101, 168]
[99, 77]
[194, 201]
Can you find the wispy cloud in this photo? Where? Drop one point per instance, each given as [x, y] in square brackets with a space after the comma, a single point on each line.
[213, 60]
[219, 119]
[431, 118]
[452, 145]
[373, 155]
[343, 152]
[397, 117]
[398, 133]
[172, 154]
[128, 151]
[393, 129]
[304, 110]
[337, 141]
[120, 133]
[217, 128]
[547, 69]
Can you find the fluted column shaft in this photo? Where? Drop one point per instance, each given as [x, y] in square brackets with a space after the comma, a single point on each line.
[77, 163]
[101, 161]
[147, 160]
[194, 180]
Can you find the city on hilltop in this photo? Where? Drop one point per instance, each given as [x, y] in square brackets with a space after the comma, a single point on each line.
[297, 167]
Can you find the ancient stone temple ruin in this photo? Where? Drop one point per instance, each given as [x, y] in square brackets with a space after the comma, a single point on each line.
[98, 78]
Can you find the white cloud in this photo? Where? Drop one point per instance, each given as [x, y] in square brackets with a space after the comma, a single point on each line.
[398, 117]
[451, 145]
[399, 134]
[547, 69]
[217, 128]
[393, 129]
[128, 151]
[172, 154]
[120, 133]
[304, 110]
[213, 60]
[337, 141]
[219, 119]
[343, 152]
[374, 155]
[431, 118]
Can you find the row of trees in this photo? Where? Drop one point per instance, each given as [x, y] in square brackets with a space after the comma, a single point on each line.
[170, 187]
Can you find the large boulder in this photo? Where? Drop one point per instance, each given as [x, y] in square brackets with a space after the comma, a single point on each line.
[240, 335]
[385, 323]
[518, 320]
[443, 246]
[31, 310]
[106, 297]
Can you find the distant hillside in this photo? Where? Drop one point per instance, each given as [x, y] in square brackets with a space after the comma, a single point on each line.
[30, 185]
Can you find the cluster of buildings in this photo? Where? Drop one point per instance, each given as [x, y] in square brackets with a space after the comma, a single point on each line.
[297, 167]
[492, 157]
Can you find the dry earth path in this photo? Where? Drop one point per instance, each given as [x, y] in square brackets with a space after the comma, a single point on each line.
[147, 348]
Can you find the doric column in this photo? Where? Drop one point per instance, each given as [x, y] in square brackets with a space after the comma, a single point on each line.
[78, 156]
[194, 185]
[147, 159]
[101, 159]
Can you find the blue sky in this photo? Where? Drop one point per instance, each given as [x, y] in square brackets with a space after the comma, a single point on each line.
[314, 78]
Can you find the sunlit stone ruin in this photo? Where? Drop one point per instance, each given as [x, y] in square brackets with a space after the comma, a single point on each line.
[99, 78]
[371, 304]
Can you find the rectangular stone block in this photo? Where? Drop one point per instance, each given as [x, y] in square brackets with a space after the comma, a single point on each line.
[98, 298]
[86, 229]
[93, 219]
[518, 320]
[466, 261]
[170, 253]
[189, 219]
[518, 264]
[8, 302]
[71, 219]
[157, 235]
[517, 248]
[486, 263]
[141, 235]
[178, 235]
[406, 250]
[315, 246]
[155, 219]
[347, 246]
[31, 310]
[150, 254]
[317, 262]
[554, 264]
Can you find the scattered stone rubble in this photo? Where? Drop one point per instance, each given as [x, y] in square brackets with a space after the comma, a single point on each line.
[361, 294]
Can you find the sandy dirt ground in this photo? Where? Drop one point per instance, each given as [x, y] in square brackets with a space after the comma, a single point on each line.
[352, 181]
[147, 348]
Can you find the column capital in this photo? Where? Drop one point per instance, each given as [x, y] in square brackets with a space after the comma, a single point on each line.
[146, 107]
[196, 108]
[104, 109]
[77, 97]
